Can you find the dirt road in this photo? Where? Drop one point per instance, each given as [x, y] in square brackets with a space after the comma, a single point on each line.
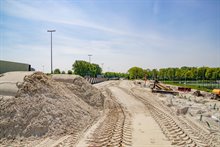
[138, 118]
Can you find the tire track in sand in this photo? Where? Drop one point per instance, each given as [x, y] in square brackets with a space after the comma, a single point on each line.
[177, 129]
[115, 130]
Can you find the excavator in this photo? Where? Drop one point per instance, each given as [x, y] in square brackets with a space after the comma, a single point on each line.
[159, 88]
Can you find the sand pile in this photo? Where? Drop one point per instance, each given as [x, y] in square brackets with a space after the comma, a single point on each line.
[82, 89]
[44, 106]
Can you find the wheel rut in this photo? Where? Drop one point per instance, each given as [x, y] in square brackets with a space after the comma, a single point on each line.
[178, 129]
[115, 130]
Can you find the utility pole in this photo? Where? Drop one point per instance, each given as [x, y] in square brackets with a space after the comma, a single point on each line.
[51, 31]
[89, 58]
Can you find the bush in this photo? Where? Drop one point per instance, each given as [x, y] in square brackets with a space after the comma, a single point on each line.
[70, 72]
[63, 72]
[56, 71]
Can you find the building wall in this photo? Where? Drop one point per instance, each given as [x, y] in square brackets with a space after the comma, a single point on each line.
[6, 66]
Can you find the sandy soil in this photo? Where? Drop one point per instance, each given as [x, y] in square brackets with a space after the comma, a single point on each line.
[133, 116]
[47, 111]
[145, 130]
[151, 121]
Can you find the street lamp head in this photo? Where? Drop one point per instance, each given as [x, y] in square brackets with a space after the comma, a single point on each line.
[51, 30]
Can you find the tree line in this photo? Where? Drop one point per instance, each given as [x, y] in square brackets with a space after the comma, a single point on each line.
[116, 75]
[170, 74]
[183, 73]
[84, 68]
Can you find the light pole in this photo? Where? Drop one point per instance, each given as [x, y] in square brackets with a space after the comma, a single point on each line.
[51, 31]
[89, 58]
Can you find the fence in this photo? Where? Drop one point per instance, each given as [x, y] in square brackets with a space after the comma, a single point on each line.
[95, 80]
[204, 84]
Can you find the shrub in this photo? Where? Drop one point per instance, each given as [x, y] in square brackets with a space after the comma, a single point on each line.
[56, 71]
[70, 72]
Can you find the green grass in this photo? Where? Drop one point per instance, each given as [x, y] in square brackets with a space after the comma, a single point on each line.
[197, 87]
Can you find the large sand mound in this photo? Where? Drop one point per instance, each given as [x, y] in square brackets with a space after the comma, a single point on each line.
[43, 106]
[82, 89]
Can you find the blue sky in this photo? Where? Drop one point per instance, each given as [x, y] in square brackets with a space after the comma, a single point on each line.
[119, 33]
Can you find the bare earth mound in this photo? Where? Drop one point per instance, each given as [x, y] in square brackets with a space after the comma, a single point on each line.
[82, 89]
[44, 107]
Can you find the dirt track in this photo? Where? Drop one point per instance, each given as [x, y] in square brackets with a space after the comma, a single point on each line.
[133, 116]
[141, 119]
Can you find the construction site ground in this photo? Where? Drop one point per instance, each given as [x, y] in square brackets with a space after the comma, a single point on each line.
[134, 116]
[142, 118]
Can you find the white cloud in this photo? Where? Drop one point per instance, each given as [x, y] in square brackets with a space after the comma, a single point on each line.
[122, 48]
[56, 13]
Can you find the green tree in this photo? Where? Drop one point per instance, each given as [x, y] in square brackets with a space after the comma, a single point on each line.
[171, 73]
[145, 73]
[210, 74]
[63, 72]
[136, 73]
[84, 68]
[189, 75]
[216, 74]
[95, 70]
[56, 71]
[162, 73]
[155, 74]
[81, 68]
[201, 73]
[178, 74]
[149, 74]
[70, 72]
[115, 74]
[194, 73]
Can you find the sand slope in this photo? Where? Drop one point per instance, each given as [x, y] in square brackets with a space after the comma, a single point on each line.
[45, 107]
